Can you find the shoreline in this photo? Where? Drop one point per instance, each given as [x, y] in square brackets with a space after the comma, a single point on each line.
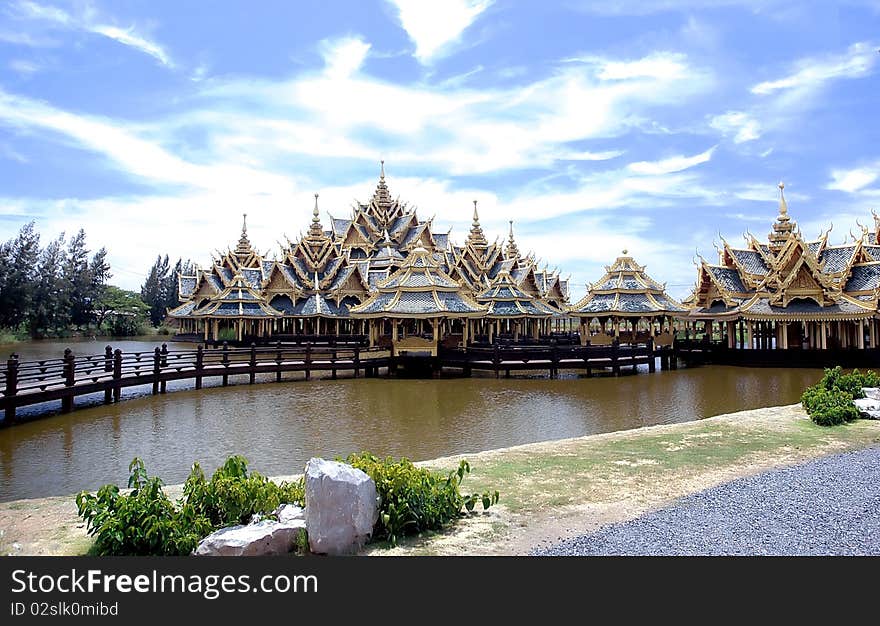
[549, 490]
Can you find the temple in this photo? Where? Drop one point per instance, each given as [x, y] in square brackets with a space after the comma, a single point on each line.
[382, 275]
[789, 292]
[628, 305]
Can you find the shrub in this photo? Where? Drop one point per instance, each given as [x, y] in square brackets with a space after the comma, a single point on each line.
[142, 522]
[232, 495]
[146, 522]
[415, 499]
[830, 401]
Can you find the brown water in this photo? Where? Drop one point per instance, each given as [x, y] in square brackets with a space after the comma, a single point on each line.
[279, 426]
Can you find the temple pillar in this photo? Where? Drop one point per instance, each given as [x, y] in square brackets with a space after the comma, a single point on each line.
[394, 330]
[616, 323]
[872, 329]
[435, 323]
[516, 331]
[824, 336]
[584, 332]
[491, 328]
[861, 338]
[205, 328]
[536, 324]
[731, 335]
[749, 335]
[465, 327]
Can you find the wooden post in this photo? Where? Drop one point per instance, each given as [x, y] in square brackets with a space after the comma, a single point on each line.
[11, 387]
[278, 362]
[652, 366]
[496, 357]
[69, 379]
[308, 361]
[861, 331]
[253, 369]
[357, 360]
[225, 363]
[615, 364]
[108, 367]
[157, 368]
[333, 363]
[117, 374]
[200, 361]
[164, 364]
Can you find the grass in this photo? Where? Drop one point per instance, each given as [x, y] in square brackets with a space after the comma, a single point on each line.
[588, 470]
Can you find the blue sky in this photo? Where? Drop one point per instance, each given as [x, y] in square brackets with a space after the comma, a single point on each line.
[651, 125]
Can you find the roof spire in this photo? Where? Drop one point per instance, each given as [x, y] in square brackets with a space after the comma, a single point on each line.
[476, 237]
[382, 169]
[243, 248]
[512, 251]
[316, 231]
[783, 227]
[783, 207]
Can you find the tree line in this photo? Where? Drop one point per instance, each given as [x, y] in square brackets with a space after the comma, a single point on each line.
[63, 287]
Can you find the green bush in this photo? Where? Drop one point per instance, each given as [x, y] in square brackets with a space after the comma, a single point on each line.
[142, 522]
[146, 522]
[232, 495]
[415, 499]
[830, 401]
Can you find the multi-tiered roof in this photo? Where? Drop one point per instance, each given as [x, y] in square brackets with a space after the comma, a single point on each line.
[790, 278]
[626, 290]
[328, 272]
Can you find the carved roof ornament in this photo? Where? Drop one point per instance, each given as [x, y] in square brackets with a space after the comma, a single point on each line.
[783, 226]
[512, 250]
[244, 247]
[316, 231]
[476, 237]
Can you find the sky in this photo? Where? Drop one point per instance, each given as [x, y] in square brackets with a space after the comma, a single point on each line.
[655, 126]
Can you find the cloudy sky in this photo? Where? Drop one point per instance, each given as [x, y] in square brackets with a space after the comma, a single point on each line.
[652, 125]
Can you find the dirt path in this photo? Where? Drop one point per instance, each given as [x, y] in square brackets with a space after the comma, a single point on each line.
[551, 490]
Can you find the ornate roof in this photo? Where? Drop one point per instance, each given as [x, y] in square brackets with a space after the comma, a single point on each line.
[789, 278]
[506, 300]
[419, 289]
[626, 290]
[237, 300]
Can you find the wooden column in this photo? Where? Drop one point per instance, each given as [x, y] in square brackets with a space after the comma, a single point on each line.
[465, 327]
[731, 335]
[823, 344]
[393, 330]
[435, 323]
[872, 329]
[749, 335]
[491, 327]
[861, 338]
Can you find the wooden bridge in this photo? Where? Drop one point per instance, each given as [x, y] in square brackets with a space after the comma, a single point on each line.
[27, 383]
[34, 382]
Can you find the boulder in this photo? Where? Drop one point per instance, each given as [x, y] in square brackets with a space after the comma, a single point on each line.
[342, 507]
[869, 408]
[265, 538]
[871, 392]
[289, 512]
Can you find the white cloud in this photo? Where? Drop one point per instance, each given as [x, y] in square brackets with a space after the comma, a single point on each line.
[433, 26]
[125, 36]
[854, 180]
[858, 61]
[24, 67]
[671, 164]
[740, 124]
[343, 57]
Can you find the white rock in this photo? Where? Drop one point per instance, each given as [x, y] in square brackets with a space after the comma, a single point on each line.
[264, 538]
[871, 392]
[868, 408]
[289, 512]
[342, 507]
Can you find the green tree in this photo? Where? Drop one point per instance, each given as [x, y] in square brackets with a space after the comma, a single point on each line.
[121, 312]
[78, 281]
[50, 310]
[18, 269]
[154, 289]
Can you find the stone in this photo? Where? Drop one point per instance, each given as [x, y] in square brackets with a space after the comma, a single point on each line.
[289, 512]
[265, 538]
[868, 408]
[342, 507]
[871, 392]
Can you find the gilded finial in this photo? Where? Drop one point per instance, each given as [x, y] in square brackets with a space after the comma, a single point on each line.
[315, 210]
[783, 207]
[244, 225]
[382, 169]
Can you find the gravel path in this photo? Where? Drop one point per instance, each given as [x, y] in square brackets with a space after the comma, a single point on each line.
[830, 506]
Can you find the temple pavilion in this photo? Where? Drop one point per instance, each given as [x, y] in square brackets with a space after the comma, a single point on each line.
[382, 274]
[627, 305]
[789, 292]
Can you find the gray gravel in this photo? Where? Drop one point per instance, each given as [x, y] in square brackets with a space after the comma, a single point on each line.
[830, 506]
